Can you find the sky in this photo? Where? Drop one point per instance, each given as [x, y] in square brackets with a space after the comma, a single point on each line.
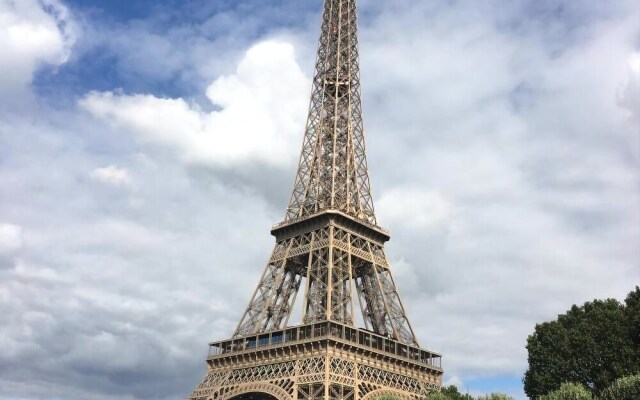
[146, 148]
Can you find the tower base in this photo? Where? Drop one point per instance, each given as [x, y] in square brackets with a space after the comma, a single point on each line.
[325, 360]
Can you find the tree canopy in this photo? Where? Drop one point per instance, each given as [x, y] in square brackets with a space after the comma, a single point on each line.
[451, 392]
[592, 345]
[568, 391]
[496, 396]
[627, 388]
[438, 396]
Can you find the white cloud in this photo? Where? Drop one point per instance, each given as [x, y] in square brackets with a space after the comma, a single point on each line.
[629, 93]
[529, 165]
[10, 239]
[262, 109]
[414, 208]
[32, 32]
[112, 175]
[454, 380]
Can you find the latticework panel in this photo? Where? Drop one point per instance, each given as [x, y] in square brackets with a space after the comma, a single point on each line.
[391, 380]
[370, 392]
[276, 379]
[260, 373]
[209, 385]
[311, 391]
[343, 392]
[315, 378]
[280, 390]
[342, 371]
[308, 366]
[342, 367]
[332, 172]
[329, 261]
[272, 302]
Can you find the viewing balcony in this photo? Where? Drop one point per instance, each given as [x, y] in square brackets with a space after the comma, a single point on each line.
[337, 332]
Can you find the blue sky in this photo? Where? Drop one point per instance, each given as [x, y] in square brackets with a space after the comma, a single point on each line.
[147, 147]
[171, 24]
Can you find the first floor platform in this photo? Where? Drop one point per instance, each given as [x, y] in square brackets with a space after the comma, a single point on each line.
[325, 360]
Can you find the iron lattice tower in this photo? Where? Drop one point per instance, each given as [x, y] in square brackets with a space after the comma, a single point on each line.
[330, 248]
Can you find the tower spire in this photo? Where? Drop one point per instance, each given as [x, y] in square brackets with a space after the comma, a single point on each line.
[332, 172]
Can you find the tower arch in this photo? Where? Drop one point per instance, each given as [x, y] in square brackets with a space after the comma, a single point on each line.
[257, 391]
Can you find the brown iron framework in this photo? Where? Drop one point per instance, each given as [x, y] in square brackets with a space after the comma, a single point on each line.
[330, 246]
[319, 361]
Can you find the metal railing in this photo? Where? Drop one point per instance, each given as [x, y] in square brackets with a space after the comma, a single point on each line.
[344, 333]
[297, 219]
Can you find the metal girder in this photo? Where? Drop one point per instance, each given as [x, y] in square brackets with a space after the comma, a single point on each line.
[330, 260]
[330, 246]
[332, 171]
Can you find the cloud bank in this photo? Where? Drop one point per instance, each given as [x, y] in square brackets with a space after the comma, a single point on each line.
[257, 112]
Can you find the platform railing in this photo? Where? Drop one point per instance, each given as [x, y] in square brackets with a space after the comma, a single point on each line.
[344, 333]
[292, 221]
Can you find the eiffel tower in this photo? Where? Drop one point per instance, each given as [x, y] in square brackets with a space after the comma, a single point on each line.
[330, 248]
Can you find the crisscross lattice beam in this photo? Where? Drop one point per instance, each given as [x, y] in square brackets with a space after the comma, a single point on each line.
[332, 172]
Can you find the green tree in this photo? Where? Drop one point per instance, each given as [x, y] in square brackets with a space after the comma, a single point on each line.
[627, 388]
[388, 397]
[453, 393]
[496, 396]
[632, 313]
[568, 391]
[438, 396]
[591, 345]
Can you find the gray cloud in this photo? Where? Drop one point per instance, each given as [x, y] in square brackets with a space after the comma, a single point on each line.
[522, 139]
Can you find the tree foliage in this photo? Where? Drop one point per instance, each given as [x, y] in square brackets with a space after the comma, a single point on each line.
[438, 396]
[592, 345]
[453, 393]
[627, 388]
[496, 396]
[568, 391]
[632, 313]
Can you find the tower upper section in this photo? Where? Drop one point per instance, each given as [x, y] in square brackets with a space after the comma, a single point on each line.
[332, 172]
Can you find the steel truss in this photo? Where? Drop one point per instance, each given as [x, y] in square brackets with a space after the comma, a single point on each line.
[330, 248]
[331, 253]
[332, 172]
[319, 361]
